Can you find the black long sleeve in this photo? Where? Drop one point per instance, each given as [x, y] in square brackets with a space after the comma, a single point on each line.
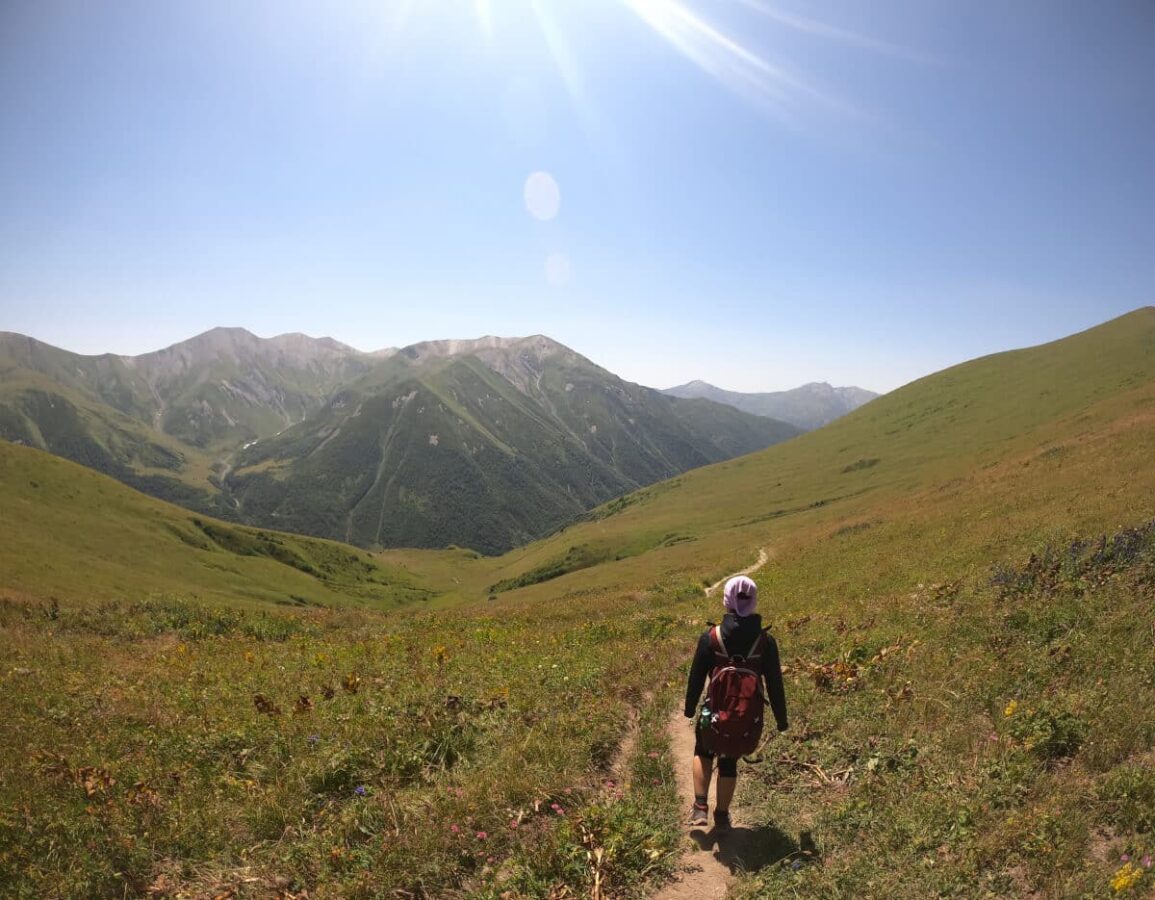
[699, 672]
[775, 690]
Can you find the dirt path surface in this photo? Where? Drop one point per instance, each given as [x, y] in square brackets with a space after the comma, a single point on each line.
[705, 875]
[763, 558]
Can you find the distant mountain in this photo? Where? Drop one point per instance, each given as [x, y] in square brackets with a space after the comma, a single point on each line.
[807, 407]
[162, 420]
[484, 444]
[481, 443]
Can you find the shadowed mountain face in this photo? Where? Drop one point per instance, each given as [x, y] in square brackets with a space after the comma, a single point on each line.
[807, 407]
[484, 445]
[481, 443]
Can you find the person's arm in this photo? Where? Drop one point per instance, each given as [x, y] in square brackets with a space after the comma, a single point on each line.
[772, 672]
[699, 669]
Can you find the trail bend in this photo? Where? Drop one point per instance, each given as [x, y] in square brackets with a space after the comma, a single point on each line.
[764, 556]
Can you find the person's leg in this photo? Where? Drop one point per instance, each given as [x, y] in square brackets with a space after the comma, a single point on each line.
[700, 811]
[725, 792]
[703, 772]
[727, 781]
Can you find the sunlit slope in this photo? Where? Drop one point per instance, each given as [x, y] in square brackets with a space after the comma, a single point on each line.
[1009, 447]
[70, 533]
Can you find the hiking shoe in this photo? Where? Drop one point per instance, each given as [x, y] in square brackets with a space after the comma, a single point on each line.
[721, 822]
[699, 815]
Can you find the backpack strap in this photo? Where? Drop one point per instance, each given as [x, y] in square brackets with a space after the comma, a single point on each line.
[721, 651]
[758, 645]
[718, 645]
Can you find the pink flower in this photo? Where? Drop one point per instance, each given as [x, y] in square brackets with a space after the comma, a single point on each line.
[1126, 857]
[1146, 861]
[454, 829]
[513, 823]
[610, 783]
[554, 807]
[481, 835]
[559, 811]
[653, 754]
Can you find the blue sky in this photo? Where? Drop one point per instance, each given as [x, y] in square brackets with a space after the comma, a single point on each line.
[752, 193]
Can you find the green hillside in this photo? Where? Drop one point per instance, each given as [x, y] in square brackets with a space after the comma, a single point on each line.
[961, 578]
[72, 534]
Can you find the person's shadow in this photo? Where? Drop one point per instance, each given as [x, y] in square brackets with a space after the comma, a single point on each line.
[745, 849]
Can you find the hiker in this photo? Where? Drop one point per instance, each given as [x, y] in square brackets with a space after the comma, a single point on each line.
[739, 641]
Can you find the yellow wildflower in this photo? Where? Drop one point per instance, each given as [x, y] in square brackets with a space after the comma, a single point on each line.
[1126, 878]
[1011, 707]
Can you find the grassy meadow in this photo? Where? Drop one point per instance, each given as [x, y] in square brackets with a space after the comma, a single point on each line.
[962, 582]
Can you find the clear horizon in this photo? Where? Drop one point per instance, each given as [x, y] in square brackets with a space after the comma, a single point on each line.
[750, 194]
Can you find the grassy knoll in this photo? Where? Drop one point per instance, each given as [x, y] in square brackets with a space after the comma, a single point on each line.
[72, 534]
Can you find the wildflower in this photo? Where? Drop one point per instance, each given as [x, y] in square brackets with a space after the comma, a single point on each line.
[455, 829]
[360, 790]
[610, 783]
[1126, 878]
[481, 835]
[1011, 707]
[1146, 861]
[1126, 857]
[796, 865]
[513, 823]
[313, 739]
[653, 754]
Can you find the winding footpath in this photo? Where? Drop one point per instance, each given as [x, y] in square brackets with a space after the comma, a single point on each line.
[764, 556]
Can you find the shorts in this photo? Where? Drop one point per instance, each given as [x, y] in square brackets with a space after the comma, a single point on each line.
[727, 766]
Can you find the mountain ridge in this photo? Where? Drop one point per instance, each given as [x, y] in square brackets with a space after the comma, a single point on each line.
[808, 406]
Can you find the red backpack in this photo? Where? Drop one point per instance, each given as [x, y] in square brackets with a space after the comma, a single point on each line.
[733, 711]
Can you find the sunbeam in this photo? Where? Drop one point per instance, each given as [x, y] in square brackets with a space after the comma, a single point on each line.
[732, 64]
[815, 28]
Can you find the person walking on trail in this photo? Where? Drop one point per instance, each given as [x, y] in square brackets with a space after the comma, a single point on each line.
[738, 656]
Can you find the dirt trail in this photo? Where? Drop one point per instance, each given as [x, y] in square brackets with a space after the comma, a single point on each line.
[764, 556]
[704, 876]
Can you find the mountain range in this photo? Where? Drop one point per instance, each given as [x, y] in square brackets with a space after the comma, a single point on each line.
[807, 407]
[483, 443]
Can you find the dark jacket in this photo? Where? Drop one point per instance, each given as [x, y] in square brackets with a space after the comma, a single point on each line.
[738, 633]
